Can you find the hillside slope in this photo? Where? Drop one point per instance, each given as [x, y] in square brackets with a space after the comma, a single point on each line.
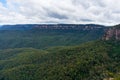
[37, 38]
[90, 61]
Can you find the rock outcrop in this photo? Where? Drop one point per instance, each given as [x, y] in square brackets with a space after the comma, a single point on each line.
[112, 33]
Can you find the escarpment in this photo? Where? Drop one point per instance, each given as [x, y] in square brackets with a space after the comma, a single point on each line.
[112, 33]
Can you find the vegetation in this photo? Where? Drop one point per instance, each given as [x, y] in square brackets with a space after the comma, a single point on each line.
[96, 60]
[41, 39]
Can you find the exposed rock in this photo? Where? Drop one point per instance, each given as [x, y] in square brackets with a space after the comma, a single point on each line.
[108, 79]
[112, 33]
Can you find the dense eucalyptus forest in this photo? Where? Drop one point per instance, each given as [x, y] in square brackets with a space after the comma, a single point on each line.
[59, 55]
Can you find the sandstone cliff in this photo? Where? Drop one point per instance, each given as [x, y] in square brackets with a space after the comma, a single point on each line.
[112, 33]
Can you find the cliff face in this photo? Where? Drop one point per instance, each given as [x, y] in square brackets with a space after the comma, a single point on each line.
[53, 27]
[112, 33]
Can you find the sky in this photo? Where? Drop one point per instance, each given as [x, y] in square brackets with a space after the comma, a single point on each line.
[105, 12]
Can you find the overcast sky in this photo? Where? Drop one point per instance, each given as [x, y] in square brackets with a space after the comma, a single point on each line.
[105, 12]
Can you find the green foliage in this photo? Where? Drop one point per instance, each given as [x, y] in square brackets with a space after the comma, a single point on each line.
[89, 61]
[117, 77]
[45, 38]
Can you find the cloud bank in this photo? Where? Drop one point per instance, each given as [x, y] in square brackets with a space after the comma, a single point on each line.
[106, 12]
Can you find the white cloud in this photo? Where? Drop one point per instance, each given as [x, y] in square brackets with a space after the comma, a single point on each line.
[58, 11]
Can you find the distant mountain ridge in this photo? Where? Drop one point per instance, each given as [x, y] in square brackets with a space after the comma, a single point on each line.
[52, 26]
[48, 35]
